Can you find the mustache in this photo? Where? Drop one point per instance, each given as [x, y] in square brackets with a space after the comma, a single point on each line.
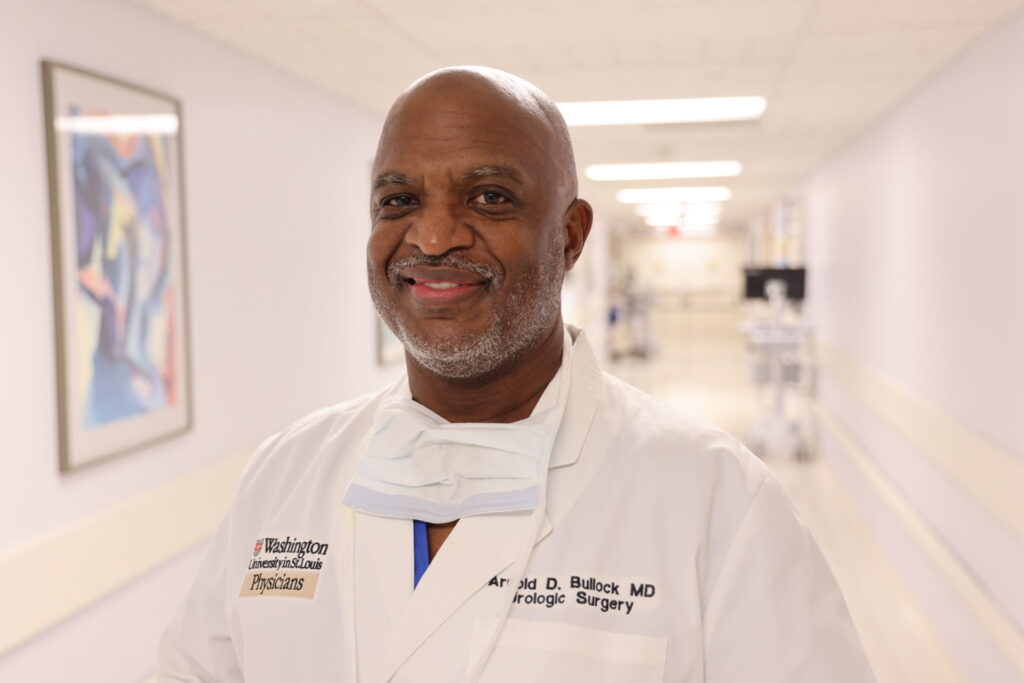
[450, 260]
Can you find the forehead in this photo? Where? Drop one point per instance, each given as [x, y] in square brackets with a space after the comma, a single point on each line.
[464, 129]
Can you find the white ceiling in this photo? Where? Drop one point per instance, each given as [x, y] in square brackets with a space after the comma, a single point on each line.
[827, 67]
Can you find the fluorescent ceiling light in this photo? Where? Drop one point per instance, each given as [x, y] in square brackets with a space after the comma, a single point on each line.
[655, 195]
[664, 170]
[658, 209]
[676, 209]
[685, 231]
[662, 221]
[697, 216]
[143, 124]
[703, 208]
[679, 221]
[693, 110]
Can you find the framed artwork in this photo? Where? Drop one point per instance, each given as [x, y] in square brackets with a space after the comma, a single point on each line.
[119, 266]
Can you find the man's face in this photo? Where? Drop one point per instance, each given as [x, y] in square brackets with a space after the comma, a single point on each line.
[465, 260]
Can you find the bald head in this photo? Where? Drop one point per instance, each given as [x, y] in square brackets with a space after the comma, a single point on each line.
[475, 222]
[494, 95]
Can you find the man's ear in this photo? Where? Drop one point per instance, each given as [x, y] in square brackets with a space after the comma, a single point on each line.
[578, 220]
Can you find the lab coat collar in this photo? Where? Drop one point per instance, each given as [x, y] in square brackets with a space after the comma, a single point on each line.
[419, 465]
[389, 542]
[480, 547]
[584, 391]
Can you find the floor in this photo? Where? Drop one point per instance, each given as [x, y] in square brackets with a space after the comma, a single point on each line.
[701, 363]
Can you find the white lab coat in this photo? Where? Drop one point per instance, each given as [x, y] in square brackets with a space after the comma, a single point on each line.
[668, 553]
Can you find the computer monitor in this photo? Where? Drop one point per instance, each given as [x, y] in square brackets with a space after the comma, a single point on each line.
[756, 278]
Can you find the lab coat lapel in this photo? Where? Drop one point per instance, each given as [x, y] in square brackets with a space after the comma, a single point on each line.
[481, 547]
[388, 543]
[478, 549]
[585, 381]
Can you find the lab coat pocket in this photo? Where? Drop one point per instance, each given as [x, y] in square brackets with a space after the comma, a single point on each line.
[549, 651]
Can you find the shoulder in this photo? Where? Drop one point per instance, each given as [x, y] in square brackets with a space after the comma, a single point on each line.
[328, 433]
[681, 450]
[692, 471]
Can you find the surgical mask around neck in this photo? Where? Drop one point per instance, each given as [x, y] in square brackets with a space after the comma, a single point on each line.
[419, 466]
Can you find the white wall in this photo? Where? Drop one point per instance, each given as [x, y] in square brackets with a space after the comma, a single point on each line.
[916, 243]
[276, 180]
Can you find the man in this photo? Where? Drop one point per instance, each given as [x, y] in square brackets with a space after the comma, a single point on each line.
[507, 512]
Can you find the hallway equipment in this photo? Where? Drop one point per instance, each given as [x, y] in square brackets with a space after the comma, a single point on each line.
[631, 330]
[756, 280]
[781, 362]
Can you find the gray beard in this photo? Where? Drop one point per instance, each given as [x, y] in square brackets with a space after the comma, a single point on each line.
[533, 308]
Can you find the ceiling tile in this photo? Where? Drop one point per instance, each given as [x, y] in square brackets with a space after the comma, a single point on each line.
[828, 67]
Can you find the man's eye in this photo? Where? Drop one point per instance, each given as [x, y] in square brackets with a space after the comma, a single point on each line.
[399, 200]
[490, 198]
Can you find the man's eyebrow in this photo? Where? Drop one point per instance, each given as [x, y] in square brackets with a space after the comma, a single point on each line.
[493, 170]
[389, 178]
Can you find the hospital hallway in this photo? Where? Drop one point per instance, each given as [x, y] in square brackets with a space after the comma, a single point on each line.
[800, 220]
[702, 365]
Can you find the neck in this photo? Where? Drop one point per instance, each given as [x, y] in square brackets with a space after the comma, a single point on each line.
[507, 395]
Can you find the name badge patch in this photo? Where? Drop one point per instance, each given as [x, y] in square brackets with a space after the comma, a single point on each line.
[284, 567]
[282, 584]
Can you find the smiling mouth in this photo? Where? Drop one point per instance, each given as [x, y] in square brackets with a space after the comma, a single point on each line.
[439, 290]
[441, 284]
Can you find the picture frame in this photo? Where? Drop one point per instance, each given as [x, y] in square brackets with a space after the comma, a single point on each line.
[119, 253]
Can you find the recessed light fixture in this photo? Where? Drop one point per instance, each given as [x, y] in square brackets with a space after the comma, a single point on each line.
[662, 221]
[673, 231]
[656, 195]
[697, 216]
[676, 209]
[680, 221]
[691, 110]
[701, 231]
[703, 208]
[664, 170]
[647, 210]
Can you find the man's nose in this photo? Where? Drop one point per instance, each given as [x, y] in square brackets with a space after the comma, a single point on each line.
[440, 227]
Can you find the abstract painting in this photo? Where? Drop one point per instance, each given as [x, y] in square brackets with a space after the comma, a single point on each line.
[118, 237]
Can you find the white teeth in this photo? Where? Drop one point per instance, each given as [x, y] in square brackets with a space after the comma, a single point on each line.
[441, 285]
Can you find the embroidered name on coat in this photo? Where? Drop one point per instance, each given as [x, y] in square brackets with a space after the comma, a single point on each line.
[586, 591]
